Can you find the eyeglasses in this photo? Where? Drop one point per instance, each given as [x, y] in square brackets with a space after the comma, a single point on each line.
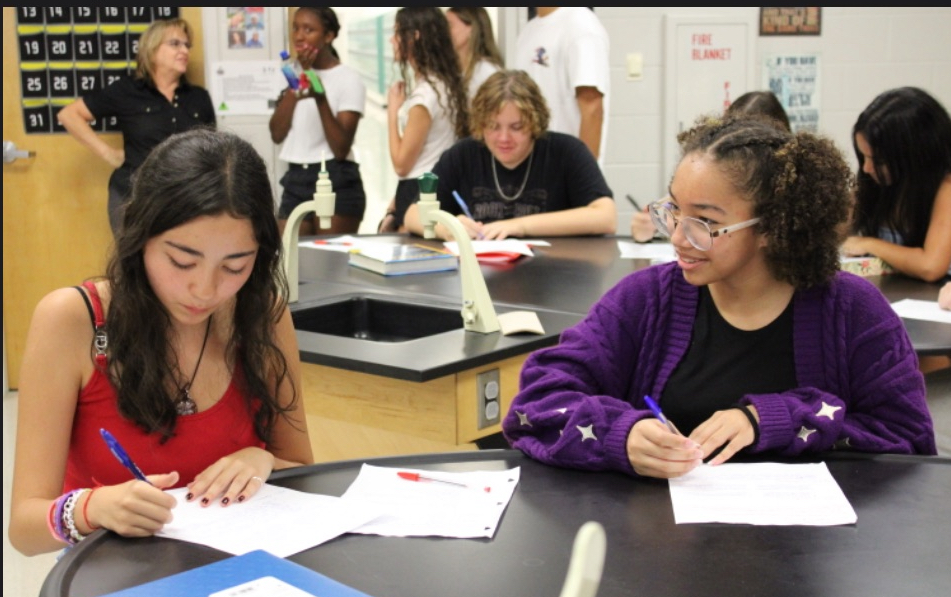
[177, 44]
[665, 215]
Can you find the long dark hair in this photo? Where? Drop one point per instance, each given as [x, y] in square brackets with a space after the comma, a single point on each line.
[424, 34]
[910, 135]
[201, 172]
[482, 44]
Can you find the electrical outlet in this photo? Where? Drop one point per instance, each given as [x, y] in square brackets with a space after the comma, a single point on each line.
[488, 398]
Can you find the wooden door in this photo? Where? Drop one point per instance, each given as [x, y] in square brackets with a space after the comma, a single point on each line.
[55, 228]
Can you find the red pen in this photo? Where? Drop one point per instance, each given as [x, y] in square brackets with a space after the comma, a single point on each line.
[418, 477]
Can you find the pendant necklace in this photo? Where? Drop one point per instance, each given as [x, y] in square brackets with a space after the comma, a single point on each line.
[185, 405]
[518, 194]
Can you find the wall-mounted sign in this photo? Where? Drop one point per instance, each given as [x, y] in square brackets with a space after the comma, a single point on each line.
[790, 20]
[67, 52]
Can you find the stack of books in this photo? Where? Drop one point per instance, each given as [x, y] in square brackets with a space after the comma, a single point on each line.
[397, 260]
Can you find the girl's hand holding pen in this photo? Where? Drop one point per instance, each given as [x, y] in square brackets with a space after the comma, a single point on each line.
[131, 509]
[656, 451]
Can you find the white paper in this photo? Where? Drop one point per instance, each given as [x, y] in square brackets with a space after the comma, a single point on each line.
[766, 493]
[427, 508]
[245, 86]
[520, 322]
[918, 309]
[508, 245]
[659, 252]
[276, 519]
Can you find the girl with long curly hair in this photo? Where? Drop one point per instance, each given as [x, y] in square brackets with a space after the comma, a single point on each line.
[426, 111]
[752, 340]
[184, 352]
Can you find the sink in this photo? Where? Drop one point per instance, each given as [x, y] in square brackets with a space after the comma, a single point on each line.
[376, 319]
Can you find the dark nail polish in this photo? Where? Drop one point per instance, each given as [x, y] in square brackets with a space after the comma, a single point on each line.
[224, 501]
[190, 497]
[240, 498]
[204, 501]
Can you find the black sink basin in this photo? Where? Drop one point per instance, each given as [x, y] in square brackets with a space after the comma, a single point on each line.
[375, 319]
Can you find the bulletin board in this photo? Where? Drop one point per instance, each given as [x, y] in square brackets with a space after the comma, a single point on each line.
[67, 52]
[709, 61]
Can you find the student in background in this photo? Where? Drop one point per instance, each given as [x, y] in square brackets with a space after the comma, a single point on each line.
[318, 129]
[902, 211]
[752, 340]
[478, 54]
[758, 104]
[566, 50]
[426, 114]
[517, 178]
[149, 107]
[184, 351]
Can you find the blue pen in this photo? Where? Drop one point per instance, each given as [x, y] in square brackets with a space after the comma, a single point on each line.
[660, 416]
[119, 452]
[465, 208]
[462, 204]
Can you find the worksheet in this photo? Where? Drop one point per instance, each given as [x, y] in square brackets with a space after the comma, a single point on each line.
[762, 493]
[276, 519]
[432, 503]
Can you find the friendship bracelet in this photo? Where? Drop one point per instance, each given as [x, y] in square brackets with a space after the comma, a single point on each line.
[58, 531]
[85, 509]
[745, 409]
[49, 520]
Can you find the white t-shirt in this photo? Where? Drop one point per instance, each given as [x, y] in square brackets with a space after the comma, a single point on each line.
[442, 131]
[305, 142]
[482, 70]
[562, 51]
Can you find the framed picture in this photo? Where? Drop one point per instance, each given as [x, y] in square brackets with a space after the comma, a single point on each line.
[790, 20]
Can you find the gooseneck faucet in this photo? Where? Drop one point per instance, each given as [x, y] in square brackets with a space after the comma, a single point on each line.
[478, 313]
[323, 205]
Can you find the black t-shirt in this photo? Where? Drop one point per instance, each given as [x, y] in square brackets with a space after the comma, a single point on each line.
[146, 117]
[563, 175]
[724, 363]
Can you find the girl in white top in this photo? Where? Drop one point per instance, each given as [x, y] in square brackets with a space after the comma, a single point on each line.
[479, 56]
[319, 126]
[428, 119]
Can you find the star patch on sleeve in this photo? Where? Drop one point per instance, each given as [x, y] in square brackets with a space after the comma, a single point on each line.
[804, 433]
[828, 410]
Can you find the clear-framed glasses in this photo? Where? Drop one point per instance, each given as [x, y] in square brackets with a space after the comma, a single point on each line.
[177, 44]
[665, 215]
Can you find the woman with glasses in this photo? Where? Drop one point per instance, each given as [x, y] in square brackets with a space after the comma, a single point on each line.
[903, 196]
[752, 340]
[148, 107]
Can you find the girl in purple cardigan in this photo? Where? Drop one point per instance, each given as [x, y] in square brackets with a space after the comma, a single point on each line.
[752, 340]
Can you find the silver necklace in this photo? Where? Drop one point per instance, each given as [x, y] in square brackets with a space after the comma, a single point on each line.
[518, 194]
[185, 405]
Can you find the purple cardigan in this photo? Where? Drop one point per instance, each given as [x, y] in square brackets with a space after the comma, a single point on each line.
[859, 384]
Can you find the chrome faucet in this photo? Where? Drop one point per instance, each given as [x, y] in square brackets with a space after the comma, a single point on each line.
[478, 314]
[323, 205]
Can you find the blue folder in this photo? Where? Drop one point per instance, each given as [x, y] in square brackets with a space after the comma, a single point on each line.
[237, 570]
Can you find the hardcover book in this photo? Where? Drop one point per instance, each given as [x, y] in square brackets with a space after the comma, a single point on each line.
[395, 260]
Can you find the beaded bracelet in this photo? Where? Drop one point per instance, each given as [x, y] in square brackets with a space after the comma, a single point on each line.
[57, 521]
[73, 534]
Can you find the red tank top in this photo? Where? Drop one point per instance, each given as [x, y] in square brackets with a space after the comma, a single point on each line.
[200, 439]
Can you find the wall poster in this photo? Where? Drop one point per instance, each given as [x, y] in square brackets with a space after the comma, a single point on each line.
[794, 78]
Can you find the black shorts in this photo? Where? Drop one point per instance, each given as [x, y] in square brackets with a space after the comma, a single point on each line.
[300, 182]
